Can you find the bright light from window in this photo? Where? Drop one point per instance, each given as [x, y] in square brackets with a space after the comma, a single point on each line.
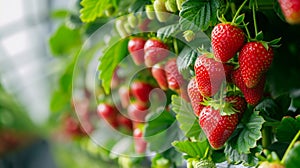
[11, 11]
[16, 43]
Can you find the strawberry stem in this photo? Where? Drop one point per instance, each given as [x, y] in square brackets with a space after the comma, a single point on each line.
[254, 17]
[238, 11]
[266, 134]
[290, 147]
[175, 46]
[247, 30]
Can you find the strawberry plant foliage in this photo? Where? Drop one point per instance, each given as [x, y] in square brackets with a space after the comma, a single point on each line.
[109, 61]
[92, 9]
[167, 31]
[188, 122]
[199, 15]
[192, 149]
[287, 129]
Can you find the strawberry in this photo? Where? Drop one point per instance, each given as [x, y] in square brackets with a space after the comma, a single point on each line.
[140, 144]
[195, 96]
[217, 128]
[159, 75]
[238, 103]
[136, 50]
[254, 60]
[267, 164]
[161, 12]
[174, 78]
[291, 10]
[226, 40]
[209, 75]
[124, 93]
[108, 113]
[124, 122]
[252, 95]
[155, 51]
[141, 91]
[137, 112]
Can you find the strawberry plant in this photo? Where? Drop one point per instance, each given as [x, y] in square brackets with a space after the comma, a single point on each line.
[191, 88]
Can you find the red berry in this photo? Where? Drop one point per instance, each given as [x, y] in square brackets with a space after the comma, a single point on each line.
[159, 75]
[124, 93]
[209, 75]
[140, 144]
[141, 91]
[254, 60]
[124, 122]
[155, 51]
[226, 41]
[137, 112]
[217, 128]
[238, 103]
[136, 50]
[267, 164]
[174, 77]
[252, 95]
[195, 96]
[108, 113]
[291, 10]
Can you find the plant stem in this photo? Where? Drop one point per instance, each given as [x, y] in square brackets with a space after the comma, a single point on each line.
[238, 11]
[247, 30]
[290, 147]
[175, 46]
[266, 136]
[254, 18]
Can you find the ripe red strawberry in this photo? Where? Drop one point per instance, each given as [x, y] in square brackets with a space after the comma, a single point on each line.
[209, 75]
[124, 122]
[124, 93]
[174, 78]
[226, 40]
[136, 50]
[195, 96]
[159, 75]
[217, 128]
[140, 144]
[155, 51]
[141, 91]
[254, 60]
[291, 10]
[137, 112]
[252, 95]
[238, 103]
[108, 113]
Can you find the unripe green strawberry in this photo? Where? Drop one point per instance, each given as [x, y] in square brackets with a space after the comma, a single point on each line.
[203, 163]
[120, 28]
[127, 28]
[179, 4]
[132, 20]
[291, 10]
[254, 60]
[161, 12]
[171, 5]
[110, 11]
[150, 12]
[226, 40]
[189, 35]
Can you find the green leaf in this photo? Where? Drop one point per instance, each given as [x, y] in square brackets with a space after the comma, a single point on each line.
[269, 109]
[192, 149]
[59, 101]
[199, 14]
[109, 61]
[59, 14]
[65, 40]
[167, 31]
[92, 9]
[287, 129]
[293, 158]
[188, 122]
[160, 130]
[250, 134]
[234, 157]
[186, 58]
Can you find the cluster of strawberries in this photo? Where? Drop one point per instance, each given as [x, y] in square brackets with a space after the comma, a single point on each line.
[218, 119]
[159, 71]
